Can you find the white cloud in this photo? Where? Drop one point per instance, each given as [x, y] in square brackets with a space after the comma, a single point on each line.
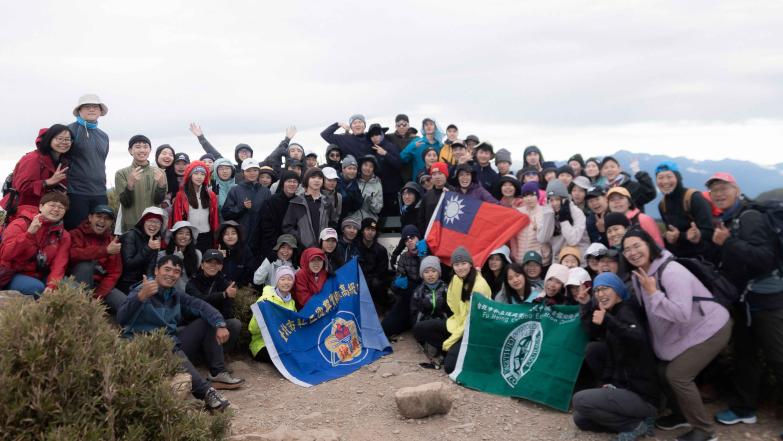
[699, 79]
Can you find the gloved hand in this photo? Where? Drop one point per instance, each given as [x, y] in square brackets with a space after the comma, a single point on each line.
[564, 214]
[401, 282]
[422, 248]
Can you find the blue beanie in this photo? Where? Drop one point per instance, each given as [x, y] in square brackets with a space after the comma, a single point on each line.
[530, 187]
[667, 166]
[612, 281]
[410, 230]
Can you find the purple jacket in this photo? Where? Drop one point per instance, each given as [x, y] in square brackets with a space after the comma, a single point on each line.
[676, 322]
[477, 191]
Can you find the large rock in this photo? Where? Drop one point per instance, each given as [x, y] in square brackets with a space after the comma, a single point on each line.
[181, 385]
[283, 433]
[425, 400]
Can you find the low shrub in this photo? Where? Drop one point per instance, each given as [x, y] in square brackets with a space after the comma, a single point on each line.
[65, 374]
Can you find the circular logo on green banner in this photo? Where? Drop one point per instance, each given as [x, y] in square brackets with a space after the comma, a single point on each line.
[520, 351]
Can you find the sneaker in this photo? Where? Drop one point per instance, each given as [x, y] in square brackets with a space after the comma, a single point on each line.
[225, 381]
[730, 417]
[640, 430]
[671, 422]
[697, 435]
[213, 401]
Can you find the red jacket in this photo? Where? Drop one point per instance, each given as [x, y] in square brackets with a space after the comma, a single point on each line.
[305, 285]
[19, 248]
[86, 245]
[29, 175]
[182, 206]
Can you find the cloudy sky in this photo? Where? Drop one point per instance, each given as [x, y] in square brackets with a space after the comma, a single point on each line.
[703, 79]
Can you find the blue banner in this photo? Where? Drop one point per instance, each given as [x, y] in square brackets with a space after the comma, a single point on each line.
[336, 332]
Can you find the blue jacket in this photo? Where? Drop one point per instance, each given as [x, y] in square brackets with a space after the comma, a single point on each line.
[163, 310]
[486, 176]
[411, 153]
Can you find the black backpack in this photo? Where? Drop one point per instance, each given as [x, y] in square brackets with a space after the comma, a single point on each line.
[773, 214]
[723, 291]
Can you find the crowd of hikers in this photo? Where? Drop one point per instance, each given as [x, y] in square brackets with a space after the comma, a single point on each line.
[659, 304]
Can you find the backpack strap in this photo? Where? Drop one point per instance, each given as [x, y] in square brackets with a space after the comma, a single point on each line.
[686, 201]
[659, 274]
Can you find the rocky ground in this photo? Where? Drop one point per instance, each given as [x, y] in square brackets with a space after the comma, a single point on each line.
[362, 407]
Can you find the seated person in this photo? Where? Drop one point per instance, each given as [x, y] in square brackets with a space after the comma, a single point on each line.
[534, 274]
[310, 277]
[95, 256]
[515, 288]
[554, 286]
[34, 250]
[236, 263]
[374, 260]
[278, 292]
[182, 243]
[140, 246]
[327, 241]
[407, 280]
[213, 287]
[156, 304]
[285, 247]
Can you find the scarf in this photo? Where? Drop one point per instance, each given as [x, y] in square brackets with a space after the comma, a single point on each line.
[86, 124]
[731, 211]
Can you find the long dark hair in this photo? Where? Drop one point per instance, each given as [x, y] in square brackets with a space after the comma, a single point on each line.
[191, 258]
[171, 177]
[494, 282]
[194, 198]
[637, 231]
[467, 283]
[45, 144]
[235, 251]
[511, 292]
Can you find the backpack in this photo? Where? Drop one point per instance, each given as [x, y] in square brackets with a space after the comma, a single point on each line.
[686, 203]
[773, 214]
[723, 291]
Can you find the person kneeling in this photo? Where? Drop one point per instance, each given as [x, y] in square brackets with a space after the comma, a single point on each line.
[279, 294]
[155, 303]
[627, 401]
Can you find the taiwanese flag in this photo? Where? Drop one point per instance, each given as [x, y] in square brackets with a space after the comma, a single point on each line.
[480, 227]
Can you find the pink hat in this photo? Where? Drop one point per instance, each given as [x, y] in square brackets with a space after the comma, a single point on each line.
[721, 176]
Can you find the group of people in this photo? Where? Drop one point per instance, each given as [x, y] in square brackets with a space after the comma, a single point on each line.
[188, 234]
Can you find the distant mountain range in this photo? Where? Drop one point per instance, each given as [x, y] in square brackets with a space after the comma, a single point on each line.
[753, 178]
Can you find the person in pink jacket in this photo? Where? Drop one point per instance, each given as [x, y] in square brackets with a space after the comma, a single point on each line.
[687, 329]
[536, 236]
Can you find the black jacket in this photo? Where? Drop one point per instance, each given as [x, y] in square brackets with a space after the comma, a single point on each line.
[234, 207]
[750, 252]
[642, 189]
[374, 259]
[137, 258]
[429, 303]
[270, 226]
[631, 363]
[212, 290]
[700, 212]
[428, 204]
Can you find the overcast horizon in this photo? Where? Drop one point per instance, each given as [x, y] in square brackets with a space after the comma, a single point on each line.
[700, 80]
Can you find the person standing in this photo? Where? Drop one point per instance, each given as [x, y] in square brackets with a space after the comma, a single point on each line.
[140, 185]
[87, 169]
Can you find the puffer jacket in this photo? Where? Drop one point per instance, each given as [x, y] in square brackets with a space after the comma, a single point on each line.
[372, 199]
[298, 222]
[535, 236]
[182, 206]
[88, 246]
[267, 295]
[429, 303]
[28, 179]
[138, 259]
[19, 249]
[408, 266]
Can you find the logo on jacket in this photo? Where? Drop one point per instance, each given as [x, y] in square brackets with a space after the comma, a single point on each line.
[343, 342]
[520, 351]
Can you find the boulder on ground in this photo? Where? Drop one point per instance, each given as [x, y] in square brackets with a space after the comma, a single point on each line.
[424, 400]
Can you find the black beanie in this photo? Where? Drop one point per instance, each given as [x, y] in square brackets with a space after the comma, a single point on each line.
[402, 117]
[578, 158]
[139, 138]
[612, 219]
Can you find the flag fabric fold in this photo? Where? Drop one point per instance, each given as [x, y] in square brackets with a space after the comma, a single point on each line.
[481, 227]
[526, 351]
[336, 333]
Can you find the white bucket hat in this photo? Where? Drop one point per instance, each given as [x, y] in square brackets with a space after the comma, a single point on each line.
[90, 98]
[185, 224]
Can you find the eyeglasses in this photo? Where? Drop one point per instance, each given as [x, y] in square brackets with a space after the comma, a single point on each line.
[65, 140]
[634, 249]
[402, 124]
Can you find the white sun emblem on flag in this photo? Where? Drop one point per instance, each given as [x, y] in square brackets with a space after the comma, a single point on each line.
[453, 210]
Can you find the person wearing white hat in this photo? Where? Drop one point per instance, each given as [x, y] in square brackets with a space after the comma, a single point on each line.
[327, 241]
[182, 243]
[87, 167]
[330, 191]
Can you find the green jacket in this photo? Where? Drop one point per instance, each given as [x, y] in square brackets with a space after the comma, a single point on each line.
[267, 295]
[146, 193]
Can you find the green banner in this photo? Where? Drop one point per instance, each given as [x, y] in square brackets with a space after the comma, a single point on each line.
[526, 351]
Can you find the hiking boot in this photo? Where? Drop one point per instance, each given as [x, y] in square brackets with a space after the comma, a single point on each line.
[729, 417]
[213, 401]
[639, 431]
[671, 422]
[225, 381]
[697, 435]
